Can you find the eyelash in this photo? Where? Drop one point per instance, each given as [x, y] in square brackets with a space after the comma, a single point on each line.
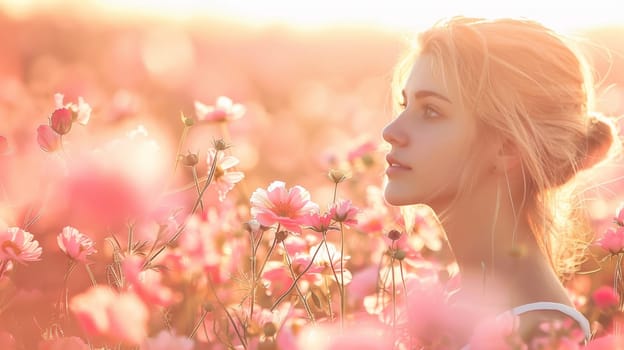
[427, 108]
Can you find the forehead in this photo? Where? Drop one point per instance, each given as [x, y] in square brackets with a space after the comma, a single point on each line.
[427, 74]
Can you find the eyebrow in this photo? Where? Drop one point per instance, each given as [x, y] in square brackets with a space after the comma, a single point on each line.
[420, 94]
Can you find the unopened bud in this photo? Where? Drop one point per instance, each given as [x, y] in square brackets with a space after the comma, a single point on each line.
[48, 139]
[190, 159]
[337, 176]
[269, 329]
[61, 121]
[252, 225]
[186, 120]
[268, 344]
[220, 145]
[394, 234]
[281, 236]
[398, 254]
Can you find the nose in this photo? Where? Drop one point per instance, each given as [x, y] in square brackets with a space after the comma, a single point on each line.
[392, 134]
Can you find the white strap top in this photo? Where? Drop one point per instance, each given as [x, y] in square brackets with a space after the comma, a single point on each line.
[550, 306]
[565, 309]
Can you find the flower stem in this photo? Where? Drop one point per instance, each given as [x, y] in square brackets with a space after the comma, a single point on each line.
[292, 273]
[338, 282]
[269, 253]
[70, 268]
[196, 180]
[213, 167]
[343, 309]
[285, 294]
[199, 323]
[229, 316]
[91, 276]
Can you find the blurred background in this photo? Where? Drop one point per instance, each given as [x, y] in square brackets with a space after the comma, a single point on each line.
[315, 76]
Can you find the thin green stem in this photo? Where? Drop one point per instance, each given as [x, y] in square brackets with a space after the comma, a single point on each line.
[180, 144]
[213, 167]
[292, 286]
[338, 282]
[270, 251]
[342, 290]
[229, 316]
[196, 180]
[292, 273]
[70, 268]
[199, 323]
[91, 276]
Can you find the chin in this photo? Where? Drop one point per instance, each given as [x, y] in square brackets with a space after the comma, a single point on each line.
[396, 198]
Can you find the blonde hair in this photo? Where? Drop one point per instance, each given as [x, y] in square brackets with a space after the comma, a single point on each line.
[528, 85]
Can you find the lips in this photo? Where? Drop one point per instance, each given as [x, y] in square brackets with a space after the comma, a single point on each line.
[393, 163]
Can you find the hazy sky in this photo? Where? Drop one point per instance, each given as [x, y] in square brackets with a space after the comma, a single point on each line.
[565, 15]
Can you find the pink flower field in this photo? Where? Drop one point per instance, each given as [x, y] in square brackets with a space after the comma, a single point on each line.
[213, 185]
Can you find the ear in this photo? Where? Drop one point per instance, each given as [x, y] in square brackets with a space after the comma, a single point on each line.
[507, 157]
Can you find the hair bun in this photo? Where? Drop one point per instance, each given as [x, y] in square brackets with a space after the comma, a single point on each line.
[599, 139]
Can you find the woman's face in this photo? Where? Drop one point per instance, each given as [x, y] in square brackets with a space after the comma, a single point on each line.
[430, 141]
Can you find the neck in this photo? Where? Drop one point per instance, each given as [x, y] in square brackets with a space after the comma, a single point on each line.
[494, 247]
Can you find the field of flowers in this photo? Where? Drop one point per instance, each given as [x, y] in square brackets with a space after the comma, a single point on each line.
[219, 186]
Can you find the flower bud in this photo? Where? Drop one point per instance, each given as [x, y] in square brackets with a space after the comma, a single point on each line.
[398, 254]
[269, 329]
[337, 176]
[190, 159]
[186, 120]
[394, 234]
[220, 145]
[48, 139]
[61, 121]
[281, 236]
[252, 225]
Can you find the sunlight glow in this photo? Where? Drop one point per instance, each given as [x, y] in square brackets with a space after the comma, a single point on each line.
[389, 14]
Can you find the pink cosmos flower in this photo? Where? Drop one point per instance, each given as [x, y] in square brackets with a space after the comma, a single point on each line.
[224, 179]
[558, 334]
[147, 283]
[612, 240]
[48, 139]
[329, 257]
[75, 245]
[224, 110]
[344, 211]
[361, 335]
[318, 222]
[18, 245]
[497, 333]
[69, 343]
[61, 121]
[166, 341]
[361, 151]
[278, 205]
[605, 297]
[278, 277]
[607, 342]
[120, 317]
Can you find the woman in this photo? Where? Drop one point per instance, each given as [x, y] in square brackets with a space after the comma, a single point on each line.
[496, 121]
